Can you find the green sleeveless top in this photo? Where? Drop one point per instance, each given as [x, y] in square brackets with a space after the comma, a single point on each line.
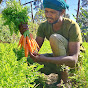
[69, 29]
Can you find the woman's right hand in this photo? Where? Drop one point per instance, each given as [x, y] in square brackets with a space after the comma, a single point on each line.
[23, 28]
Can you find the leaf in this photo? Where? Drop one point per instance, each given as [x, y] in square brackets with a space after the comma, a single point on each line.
[14, 14]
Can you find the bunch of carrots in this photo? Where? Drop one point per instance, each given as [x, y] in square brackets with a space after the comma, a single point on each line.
[29, 44]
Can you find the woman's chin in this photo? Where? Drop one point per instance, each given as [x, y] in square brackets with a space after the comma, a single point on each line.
[50, 22]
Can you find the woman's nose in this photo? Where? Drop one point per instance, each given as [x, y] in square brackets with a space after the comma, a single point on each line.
[48, 15]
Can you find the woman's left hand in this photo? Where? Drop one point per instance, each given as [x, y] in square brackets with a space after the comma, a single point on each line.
[37, 57]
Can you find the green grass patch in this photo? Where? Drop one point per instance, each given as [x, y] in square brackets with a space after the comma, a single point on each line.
[15, 72]
[45, 48]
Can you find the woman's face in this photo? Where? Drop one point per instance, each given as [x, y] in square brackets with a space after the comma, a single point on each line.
[51, 15]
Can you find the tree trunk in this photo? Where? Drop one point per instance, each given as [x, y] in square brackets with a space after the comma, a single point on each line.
[32, 13]
[20, 2]
[78, 10]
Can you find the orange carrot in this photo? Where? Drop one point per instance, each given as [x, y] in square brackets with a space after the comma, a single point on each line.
[26, 50]
[29, 44]
[34, 41]
[30, 49]
[35, 46]
[24, 42]
[21, 39]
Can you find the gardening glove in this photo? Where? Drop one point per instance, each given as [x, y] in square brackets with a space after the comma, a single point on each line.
[26, 33]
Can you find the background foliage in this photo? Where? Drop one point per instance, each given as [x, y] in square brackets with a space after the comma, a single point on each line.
[5, 35]
[83, 23]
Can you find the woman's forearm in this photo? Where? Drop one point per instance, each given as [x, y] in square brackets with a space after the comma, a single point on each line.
[67, 60]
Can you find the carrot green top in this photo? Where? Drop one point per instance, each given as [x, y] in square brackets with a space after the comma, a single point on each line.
[69, 29]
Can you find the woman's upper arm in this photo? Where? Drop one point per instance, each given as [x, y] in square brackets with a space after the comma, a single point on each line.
[39, 40]
[74, 48]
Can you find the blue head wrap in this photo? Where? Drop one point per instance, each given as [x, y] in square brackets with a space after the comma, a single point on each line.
[55, 4]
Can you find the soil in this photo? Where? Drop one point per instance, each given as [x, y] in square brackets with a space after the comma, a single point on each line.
[51, 80]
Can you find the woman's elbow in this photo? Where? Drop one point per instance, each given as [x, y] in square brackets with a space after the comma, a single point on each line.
[74, 61]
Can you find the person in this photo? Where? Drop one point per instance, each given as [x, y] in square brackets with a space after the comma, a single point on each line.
[64, 36]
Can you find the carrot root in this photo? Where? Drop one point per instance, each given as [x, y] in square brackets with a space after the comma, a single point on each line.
[26, 50]
[29, 44]
[20, 41]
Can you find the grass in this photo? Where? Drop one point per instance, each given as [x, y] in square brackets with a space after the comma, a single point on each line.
[45, 48]
[80, 78]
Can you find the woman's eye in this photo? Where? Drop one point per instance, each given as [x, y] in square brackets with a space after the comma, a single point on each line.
[46, 11]
[52, 12]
